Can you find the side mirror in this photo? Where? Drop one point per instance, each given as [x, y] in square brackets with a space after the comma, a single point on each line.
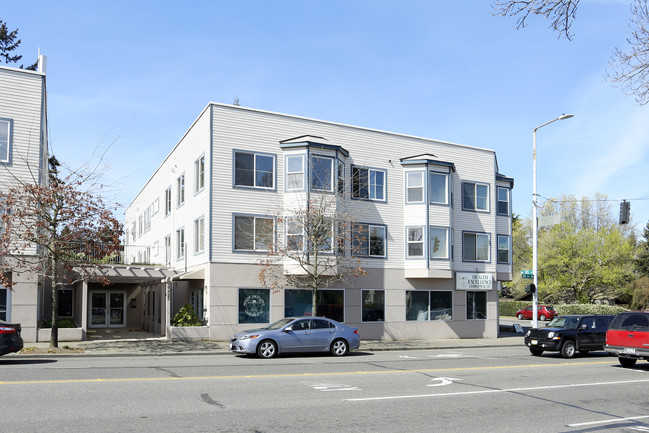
[288, 329]
[583, 326]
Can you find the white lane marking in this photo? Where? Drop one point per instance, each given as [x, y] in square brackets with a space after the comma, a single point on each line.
[325, 387]
[446, 355]
[608, 421]
[408, 357]
[442, 381]
[497, 391]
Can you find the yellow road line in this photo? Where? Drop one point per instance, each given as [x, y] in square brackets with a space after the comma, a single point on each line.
[273, 376]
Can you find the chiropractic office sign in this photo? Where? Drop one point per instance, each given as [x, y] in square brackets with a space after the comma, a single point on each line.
[473, 281]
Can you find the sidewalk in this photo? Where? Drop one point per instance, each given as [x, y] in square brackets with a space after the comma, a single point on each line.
[145, 344]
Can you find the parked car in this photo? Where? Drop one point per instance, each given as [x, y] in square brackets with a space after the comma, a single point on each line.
[569, 335]
[297, 334]
[628, 337]
[544, 312]
[10, 339]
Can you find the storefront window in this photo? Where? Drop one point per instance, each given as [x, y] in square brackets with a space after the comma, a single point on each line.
[429, 305]
[254, 305]
[373, 305]
[330, 303]
[416, 305]
[476, 305]
[441, 305]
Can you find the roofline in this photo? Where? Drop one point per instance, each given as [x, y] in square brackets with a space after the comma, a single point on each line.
[26, 71]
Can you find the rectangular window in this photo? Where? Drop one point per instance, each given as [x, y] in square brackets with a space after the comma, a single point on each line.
[429, 305]
[294, 235]
[4, 303]
[475, 196]
[66, 302]
[368, 240]
[199, 235]
[199, 174]
[254, 305]
[180, 243]
[295, 173]
[476, 305]
[5, 134]
[503, 249]
[373, 309]
[322, 170]
[168, 250]
[330, 303]
[438, 244]
[341, 177]
[254, 170]
[368, 184]
[475, 247]
[168, 201]
[180, 184]
[438, 188]
[253, 233]
[414, 187]
[503, 201]
[415, 242]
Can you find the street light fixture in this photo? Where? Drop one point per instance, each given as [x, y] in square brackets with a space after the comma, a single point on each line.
[535, 229]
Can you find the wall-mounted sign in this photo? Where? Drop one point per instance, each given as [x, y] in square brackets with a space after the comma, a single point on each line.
[473, 281]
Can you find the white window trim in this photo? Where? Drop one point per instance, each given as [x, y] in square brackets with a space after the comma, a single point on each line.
[445, 175]
[331, 173]
[419, 174]
[422, 242]
[8, 122]
[369, 183]
[254, 169]
[289, 173]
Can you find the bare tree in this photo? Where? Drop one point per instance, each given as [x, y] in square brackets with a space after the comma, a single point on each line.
[318, 245]
[57, 230]
[629, 69]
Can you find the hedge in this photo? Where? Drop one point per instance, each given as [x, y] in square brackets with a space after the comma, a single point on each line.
[509, 308]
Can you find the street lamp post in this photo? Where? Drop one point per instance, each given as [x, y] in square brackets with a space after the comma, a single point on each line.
[535, 228]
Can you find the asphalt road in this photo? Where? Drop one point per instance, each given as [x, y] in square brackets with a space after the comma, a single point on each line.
[468, 390]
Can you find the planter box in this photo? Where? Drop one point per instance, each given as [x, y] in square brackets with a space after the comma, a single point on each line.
[189, 333]
[65, 334]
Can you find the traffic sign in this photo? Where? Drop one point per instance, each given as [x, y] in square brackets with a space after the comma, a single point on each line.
[527, 275]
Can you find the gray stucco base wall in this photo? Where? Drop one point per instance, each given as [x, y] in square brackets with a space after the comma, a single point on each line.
[225, 280]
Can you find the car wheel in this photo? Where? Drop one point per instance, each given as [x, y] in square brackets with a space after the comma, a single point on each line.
[267, 349]
[584, 352]
[568, 349]
[627, 362]
[542, 317]
[520, 316]
[339, 348]
[536, 352]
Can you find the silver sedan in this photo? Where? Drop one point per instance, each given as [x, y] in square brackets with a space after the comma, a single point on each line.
[297, 334]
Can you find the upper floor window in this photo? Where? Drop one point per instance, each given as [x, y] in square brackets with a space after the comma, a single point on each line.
[475, 247]
[369, 240]
[199, 235]
[253, 233]
[168, 201]
[475, 196]
[254, 170]
[438, 244]
[5, 130]
[368, 183]
[503, 201]
[438, 187]
[199, 174]
[294, 172]
[503, 249]
[415, 242]
[322, 171]
[341, 177]
[414, 187]
[180, 184]
[294, 235]
[180, 243]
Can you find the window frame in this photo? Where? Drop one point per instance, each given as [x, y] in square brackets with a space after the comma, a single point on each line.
[365, 293]
[475, 207]
[168, 201]
[9, 128]
[356, 187]
[199, 174]
[498, 249]
[331, 160]
[180, 193]
[422, 241]
[475, 247]
[199, 235]
[473, 301]
[428, 317]
[370, 226]
[420, 174]
[181, 246]
[447, 250]
[499, 201]
[255, 238]
[255, 173]
[247, 292]
[288, 173]
[432, 173]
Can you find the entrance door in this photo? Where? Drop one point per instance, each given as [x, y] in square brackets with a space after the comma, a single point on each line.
[107, 310]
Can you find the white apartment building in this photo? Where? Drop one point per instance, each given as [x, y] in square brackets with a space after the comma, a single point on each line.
[435, 218]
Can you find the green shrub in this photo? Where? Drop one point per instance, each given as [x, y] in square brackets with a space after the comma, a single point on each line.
[509, 308]
[63, 323]
[186, 317]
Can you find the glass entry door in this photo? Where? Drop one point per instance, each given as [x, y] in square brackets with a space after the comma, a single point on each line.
[107, 309]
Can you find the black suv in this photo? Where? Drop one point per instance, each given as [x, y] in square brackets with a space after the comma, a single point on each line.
[569, 334]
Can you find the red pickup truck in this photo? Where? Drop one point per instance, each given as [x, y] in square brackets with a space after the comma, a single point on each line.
[627, 337]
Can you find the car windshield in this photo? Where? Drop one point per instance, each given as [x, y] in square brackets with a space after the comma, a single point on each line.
[279, 324]
[564, 322]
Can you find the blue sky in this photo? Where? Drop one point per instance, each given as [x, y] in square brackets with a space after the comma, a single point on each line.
[129, 78]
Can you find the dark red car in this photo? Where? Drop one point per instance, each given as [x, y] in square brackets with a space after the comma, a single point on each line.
[544, 312]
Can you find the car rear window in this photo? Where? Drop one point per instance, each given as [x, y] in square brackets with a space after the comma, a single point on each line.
[631, 321]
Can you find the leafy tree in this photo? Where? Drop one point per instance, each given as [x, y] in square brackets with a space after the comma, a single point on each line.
[640, 292]
[58, 231]
[629, 69]
[315, 249]
[521, 254]
[642, 254]
[8, 44]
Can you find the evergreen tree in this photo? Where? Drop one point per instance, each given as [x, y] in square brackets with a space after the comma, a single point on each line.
[9, 42]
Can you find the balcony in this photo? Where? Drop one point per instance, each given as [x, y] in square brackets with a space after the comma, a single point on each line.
[125, 255]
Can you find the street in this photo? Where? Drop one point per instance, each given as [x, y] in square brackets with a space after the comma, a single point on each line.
[473, 389]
